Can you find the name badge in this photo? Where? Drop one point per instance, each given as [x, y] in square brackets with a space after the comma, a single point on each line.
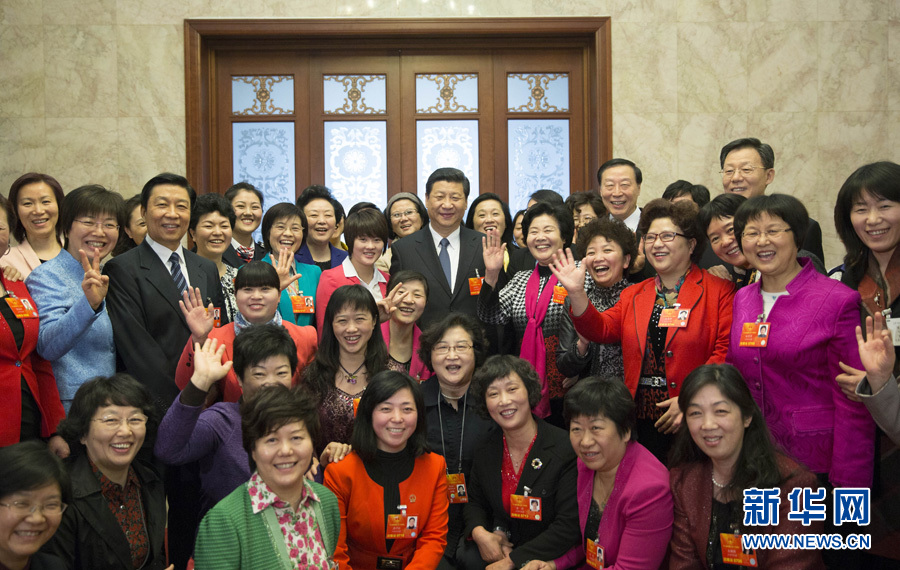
[674, 318]
[524, 507]
[594, 554]
[456, 488]
[755, 335]
[559, 294]
[356, 405]
[893, 325]
[402, 526]
[22, 308]
[217, 317]
[733, 553]
[302, 304]
[475, 284]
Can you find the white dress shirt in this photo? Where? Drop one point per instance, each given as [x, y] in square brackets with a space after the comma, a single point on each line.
[165, 253]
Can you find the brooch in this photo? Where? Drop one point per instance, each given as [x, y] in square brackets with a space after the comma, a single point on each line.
[536, 463]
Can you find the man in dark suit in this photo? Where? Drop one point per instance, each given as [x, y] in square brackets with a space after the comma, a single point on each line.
[447, 253]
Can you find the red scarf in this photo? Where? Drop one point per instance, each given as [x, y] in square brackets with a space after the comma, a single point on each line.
[533, 349]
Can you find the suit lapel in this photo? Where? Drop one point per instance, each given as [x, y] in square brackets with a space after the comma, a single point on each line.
[431, 264]
[157, 274]
[196, 275]
[642, 313]
[538, 461]
[688, 298]
[467, 248]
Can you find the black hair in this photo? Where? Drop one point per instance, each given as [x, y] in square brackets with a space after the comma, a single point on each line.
[367, 222]
[15, 224]
[556, 211]
[507, 236]
[236, 189]
[785, 206]
[91, 200]
[209, 203]
[586, 198]
[281, 211]
[380, 388]
[516, 217]
[607, 397]
[125, 241]
[405, 276]
[317, 191]
[638, 176]
[11, 218]
[319, 375]
[260, 342]
[545, 196]
[256, 274]
[698, 193]
[721, 207]
[169, 179]
[611, 229]
[116, 390]
[682, 214]
[436, 330]
[361, 206]
[30, 465]
[882, 181]
[447, 175]
[273, 407]
[500, 366]
[765, 152]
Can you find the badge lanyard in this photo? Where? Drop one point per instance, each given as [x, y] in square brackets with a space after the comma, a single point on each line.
[462, 430]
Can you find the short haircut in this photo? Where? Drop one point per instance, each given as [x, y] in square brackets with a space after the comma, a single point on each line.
[587, 198]
[240, 187]
[559, 213]
[367, 222]
[436, 330]
[382, 387]
[765, 152]
[272, 408]
[698, 193]
[721, 207]
[260, 342]
[500, 366]
[18, 230]
[281, 211]
[607, 397]
[682, 215]
[638, 176]
[507, 236]
[447, 175]
[10, 211]
[30, 465]
[167, 178]
[361, 206]
[611, 229]
[209, 203]
[786, 207]
[256, 274]
[420, 207]
[92, 200]
[546, 196]
[319, 192]
[406, 276]
[117, 390]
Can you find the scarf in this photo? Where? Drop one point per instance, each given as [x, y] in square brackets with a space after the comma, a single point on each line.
[533, 349]
[877, 292]
[240, 323]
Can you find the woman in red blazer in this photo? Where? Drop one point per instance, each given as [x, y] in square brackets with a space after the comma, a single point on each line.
[668, 325]
[392, 491]
[257, 295]
[366, 232]
[22, 371]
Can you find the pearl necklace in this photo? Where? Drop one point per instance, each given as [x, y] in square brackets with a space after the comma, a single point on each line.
[716, 483]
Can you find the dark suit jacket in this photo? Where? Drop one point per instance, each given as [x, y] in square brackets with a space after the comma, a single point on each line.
[417, 252]
[230, 256]
[148, 327]
[551, 474]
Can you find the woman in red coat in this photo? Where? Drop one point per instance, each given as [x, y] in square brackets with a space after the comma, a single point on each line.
[31, 408]
[668, 325]
[392, 491]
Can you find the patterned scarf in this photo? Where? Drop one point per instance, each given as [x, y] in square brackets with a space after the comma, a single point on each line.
[240, 323]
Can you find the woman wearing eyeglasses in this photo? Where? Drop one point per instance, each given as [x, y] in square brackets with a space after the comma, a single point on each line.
[405, 214]
[810, 323]
[659, 349]
[75, 333]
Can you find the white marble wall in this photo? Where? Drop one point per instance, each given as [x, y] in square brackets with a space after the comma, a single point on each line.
[93, 90]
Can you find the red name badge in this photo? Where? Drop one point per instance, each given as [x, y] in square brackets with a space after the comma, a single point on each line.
[22, 308]
[755, 335]
[594, 554]
[674, 318]
[527, 508]
[402, 526]
[475, 284]
[456, 488]
[302, 305]
[559, 294]
[733, 553]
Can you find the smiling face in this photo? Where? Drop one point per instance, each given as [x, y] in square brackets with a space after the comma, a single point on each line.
[775, 257]
[454, 370]
[321, 219]
[597, 442]
[95, 235]
[286, 233]
[716, 426]
[413, 305]
[113, 447]
[584, 215]
[619, 191]
[394, 421]
[168, 214]
[669, 259]
[366, 251]
[752, 183]
[446, 206]
[489, 217]
[352, 329]
[37, 210]
[609, 264]
[273, 370]
[506, 400]
[22, 536]
[543, 238]
[283, 458]
[405, 218]
[248, 210]
[137, 227]
[724, 243]
[212, 235]
[518, 236]
[876, 222]
[257, 304]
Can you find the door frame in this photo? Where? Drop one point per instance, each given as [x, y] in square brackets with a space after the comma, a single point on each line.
[203, 38]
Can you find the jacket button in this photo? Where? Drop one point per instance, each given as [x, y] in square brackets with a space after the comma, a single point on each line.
[673, 384]
[758, 386]
[756, 360]
[18, 363]
[669, 353]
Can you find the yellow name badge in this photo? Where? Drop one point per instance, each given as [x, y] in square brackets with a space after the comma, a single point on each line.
[302, 305]
[527, 508]
[22, 308]
[733, 553]
[755, 335]
[456, 488]
[402, 526]
[677, 318]
[594, 554]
